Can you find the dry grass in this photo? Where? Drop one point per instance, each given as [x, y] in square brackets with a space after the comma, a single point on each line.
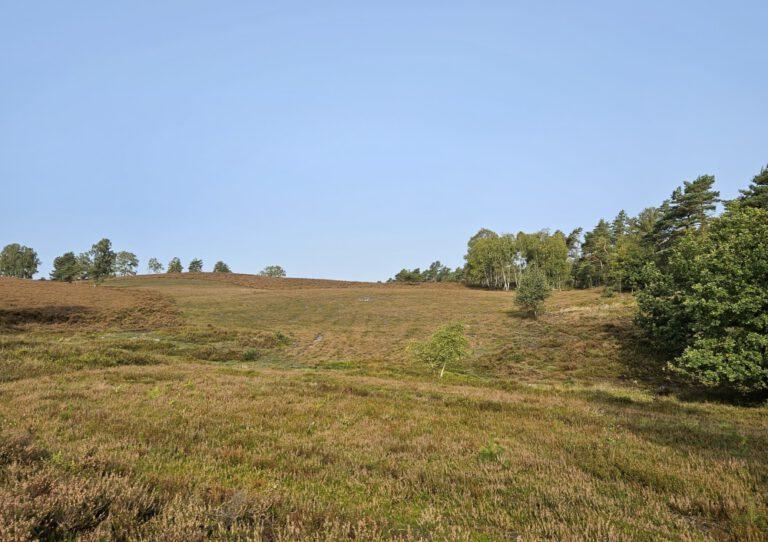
[243, 424]
[27, 305]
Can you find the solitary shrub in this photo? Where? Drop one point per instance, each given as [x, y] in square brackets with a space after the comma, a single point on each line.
[447, 345]
[532, 290]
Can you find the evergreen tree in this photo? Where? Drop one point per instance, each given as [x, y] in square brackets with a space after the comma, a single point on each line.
[221, 267]
[174, 266]
[66, 267]
[689, 209]
[195, 266]
[756, 195]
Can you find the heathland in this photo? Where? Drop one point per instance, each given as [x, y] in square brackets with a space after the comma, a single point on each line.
[222, 406]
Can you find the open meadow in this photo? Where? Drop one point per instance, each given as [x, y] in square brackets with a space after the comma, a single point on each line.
[234, 407]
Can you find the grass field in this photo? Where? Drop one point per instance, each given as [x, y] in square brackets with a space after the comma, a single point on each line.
[235, 407]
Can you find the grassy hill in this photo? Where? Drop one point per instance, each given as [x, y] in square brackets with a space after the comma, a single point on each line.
[202, 406]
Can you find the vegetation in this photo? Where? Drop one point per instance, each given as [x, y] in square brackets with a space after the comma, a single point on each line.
[126, 263]
[709, 305]
[221, 267]
[154, 266]
[436, 272]
[221, 406]
[273, 271]
[18, 261]
[174, 266]
[66, 268]
[195, 266]
[532, 291]
[102, 261]
[447, 345]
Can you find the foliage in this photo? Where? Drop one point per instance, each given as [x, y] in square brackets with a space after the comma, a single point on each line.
[532, 291]
[18, 261]
[756, 195]
[66, 267]
[174, 266]
[221, 267]
[447, 345]
[709, 305]
[272, 271]
[436, 272]
[195, 266]
[154, 266]
[497, 261]
[126, 263]
[102, 261]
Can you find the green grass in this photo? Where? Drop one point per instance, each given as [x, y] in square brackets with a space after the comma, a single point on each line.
[241, 423]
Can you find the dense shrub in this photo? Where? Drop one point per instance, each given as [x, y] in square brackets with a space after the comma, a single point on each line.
[532, 291]
[709, 306]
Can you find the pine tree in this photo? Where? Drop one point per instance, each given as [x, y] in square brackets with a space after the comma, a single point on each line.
[756, 195]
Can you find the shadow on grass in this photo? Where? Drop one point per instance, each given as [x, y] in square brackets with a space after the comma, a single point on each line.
[11, 319]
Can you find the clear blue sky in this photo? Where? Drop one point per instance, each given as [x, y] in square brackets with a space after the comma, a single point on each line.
[350, 139]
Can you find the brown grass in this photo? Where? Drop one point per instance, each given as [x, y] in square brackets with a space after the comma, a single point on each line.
[241, 424]
[26, 305]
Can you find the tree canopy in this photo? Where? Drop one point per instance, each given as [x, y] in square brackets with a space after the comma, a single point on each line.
[18, 261]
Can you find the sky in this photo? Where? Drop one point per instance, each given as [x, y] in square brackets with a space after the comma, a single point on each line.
[351, 139]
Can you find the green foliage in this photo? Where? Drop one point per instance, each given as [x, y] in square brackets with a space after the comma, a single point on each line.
[532, 291]
[497, 261]
[195, 266]
[272, 271]
[126, 263]
[154, 266]
[18, 261]
[102, 260]
[448, 345]
[436, 272]
[66, 267]
[221, 267]
[174, 266]
[756, 195]
[709, 306]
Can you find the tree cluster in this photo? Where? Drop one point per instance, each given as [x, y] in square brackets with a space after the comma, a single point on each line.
[436, 272]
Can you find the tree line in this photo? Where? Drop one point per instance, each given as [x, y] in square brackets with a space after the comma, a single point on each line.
[700, 279]
[101, 262]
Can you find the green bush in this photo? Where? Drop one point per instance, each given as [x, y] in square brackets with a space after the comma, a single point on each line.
[447, 345]
[532, 291]
[709, 305]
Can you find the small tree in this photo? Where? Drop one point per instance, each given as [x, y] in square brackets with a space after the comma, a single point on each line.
[126, 263]
[532, 291]
[18, 261]
[447, 345]
[103, 260]
[174, 266]
[66, 267]
[196, 265]
[154, 266]
[273, 271]
[221, 267]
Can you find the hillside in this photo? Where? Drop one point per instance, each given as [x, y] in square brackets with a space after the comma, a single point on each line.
[200, 406]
